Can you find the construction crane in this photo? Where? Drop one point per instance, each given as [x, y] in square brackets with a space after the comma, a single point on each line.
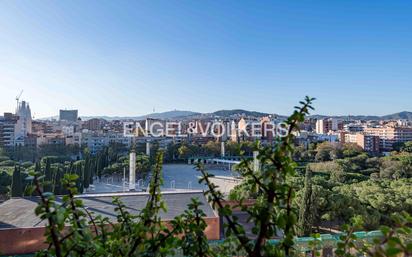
[17, 99]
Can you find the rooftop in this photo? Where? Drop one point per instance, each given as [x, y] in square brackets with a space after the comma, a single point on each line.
[19, 212]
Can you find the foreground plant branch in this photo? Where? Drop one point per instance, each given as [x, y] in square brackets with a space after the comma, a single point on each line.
[273, 211]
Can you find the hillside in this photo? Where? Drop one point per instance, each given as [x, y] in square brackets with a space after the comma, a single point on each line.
[400, 115]
[177, 114]
[395, 116]
[238, 112]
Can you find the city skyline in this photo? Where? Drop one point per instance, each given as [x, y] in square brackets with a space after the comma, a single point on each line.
[126, 59]
[178, 114]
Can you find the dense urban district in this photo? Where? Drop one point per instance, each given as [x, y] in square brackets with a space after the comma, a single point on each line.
[357, 167]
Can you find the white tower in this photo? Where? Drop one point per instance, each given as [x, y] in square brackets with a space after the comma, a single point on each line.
[132, 171]
[148, 148]
[24, 122]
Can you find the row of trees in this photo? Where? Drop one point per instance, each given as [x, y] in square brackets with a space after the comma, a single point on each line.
[54, 168]
[363, 167]
[65, 152]
[53, 173]
[28, 153]
[326, 151]
[143, 165]
[110, 161]
[183, 151]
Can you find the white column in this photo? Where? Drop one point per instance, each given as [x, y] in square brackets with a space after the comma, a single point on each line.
[132, 171]
[124, 179]
[222, 149]
[147, 148]
[256, 163]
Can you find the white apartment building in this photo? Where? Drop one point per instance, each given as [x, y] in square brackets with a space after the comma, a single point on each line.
[96, 141]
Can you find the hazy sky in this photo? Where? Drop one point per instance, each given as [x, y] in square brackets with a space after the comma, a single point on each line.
[124, 58]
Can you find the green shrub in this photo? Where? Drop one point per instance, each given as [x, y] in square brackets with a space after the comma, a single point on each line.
[4, 158]
[27, 164]
[7, 163]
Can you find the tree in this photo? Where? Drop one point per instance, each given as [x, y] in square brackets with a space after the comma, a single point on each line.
[47, 175]
[58, 189]
[301, 154]
[87, 171]
[397, 146]
[185, 152]
[407, 147]
[307, 207]
[92, 170]
[5, 182]
[391, 169]
[247, 148]
[4, 158]
[351, 150]
[212, 148]
[327, 151]
[172, 152]
[16, 186]
[100, 165]
[323, 153]
[78, 169]
[3, 152]
[232, 148]
[142, 163]
[9, 163]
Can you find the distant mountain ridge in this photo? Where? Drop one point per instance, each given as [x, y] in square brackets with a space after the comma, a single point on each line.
[157, 115]
[405, 115]
[239, 112]
[400, 115]
[179, 114]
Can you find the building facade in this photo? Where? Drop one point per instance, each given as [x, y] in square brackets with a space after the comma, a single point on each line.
[369, 143]
[7, 129]
[323, 126]
[390, 135]
[68, 115]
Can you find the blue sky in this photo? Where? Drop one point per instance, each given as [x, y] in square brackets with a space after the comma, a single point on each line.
[126, 58]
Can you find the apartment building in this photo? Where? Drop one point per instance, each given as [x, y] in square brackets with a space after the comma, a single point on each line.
[389, 135]
[353, 127]
[96, 141]
[74, 139]
[94, 124]
[39, 127]
[7, 130]
[68, 115]
[50, 139]
[369, 143]
[268, 129]
[323, 126]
